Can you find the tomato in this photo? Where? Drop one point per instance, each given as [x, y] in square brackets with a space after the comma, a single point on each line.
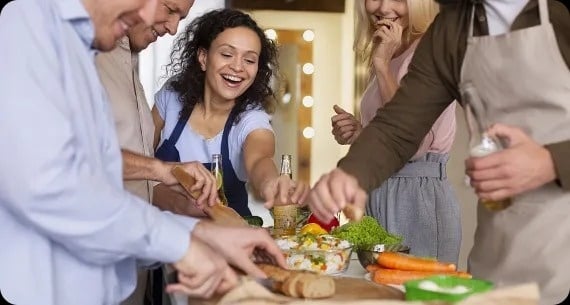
[327, 226]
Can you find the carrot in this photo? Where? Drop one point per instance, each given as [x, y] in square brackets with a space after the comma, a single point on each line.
[398, 277]
[372, 268]
[401, 261]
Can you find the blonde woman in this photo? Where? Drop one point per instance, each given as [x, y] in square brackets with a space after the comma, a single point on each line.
[417, 202]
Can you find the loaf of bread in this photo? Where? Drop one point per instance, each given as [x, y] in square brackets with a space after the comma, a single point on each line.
[300, 284]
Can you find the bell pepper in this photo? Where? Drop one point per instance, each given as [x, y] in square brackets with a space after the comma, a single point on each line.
[327, 226]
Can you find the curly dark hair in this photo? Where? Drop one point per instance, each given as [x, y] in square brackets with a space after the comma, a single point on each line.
[187, 78]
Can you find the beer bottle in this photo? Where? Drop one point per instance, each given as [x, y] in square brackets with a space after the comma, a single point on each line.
[216, 170]
[487, 146]
[285, 213]
[481, 144]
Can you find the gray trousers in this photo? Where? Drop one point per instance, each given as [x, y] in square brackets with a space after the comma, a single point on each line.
[419, 204]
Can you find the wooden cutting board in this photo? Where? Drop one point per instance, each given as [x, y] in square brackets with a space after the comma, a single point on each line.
[347, 289]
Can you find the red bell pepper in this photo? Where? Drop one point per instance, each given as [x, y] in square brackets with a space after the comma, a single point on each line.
[327, 226]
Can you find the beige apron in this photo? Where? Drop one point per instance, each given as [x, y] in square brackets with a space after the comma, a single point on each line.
[520, 78]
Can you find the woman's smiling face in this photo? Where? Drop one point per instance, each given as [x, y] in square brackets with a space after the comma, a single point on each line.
[393, 10]
[231, 63]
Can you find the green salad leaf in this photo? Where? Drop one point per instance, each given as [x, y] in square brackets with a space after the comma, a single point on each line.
[366, 233]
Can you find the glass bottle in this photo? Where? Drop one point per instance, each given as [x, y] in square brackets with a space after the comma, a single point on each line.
[285, 213]
[216, 170]
[486, 146]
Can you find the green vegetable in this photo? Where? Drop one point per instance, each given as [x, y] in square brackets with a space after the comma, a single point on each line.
[365, 233]
[317, 260]
[255, 221]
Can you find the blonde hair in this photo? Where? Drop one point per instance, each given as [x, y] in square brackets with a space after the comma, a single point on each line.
[420, 15]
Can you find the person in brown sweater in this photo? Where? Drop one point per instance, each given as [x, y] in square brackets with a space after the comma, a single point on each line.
[507, 63]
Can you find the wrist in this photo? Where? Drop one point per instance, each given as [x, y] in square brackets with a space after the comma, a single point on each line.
[382, 70]
[160, 170]
[264, 185]
[201, 229]
[550, 173]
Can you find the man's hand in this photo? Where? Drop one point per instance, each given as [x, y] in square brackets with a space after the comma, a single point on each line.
[175, 199]
[345, 127]
[283, 190]
[202, 272]
[205, 181]
[333, 192]
[523, 166]
[237, 245]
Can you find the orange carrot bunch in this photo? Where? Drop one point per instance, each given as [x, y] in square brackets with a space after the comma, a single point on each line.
[397, 268]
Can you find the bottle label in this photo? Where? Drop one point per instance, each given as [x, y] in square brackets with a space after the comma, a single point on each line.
[285, 217]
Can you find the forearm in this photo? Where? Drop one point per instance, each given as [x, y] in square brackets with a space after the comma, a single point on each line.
[96, 221]
[167, 199]
[387, 82]
[139, 167]
[398, 129]
[559, 153]
[262, 172]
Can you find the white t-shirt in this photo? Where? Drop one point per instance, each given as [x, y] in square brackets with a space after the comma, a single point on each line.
[194, 147]
[502, 13]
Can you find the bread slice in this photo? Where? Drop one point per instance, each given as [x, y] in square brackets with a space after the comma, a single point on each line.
[275, 273]
[312, 286]
[300, 284]
[290, 285]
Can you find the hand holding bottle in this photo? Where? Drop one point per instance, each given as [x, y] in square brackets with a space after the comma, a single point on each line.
[522, 166]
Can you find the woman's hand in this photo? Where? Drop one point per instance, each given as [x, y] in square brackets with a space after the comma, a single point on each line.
[283, 190]
[389, 40]
[345, 127]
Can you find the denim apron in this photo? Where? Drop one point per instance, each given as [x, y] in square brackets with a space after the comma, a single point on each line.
[520, 78]
[234, 189]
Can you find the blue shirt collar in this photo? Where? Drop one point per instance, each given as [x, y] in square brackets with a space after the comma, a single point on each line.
[75, 13]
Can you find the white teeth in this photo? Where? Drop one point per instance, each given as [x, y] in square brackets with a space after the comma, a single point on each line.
[232, 78]
[155, 33]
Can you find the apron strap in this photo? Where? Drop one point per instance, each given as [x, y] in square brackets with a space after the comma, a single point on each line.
[235, 189]
[178, 129]
[543, 11]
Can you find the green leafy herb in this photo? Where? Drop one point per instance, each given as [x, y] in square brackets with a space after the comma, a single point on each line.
[317, 260]
[366, 233]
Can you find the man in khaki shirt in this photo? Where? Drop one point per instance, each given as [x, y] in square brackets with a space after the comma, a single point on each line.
[133, 120]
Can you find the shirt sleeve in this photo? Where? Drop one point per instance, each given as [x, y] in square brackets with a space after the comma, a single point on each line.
[250, 121]
[397, 130]
[162, 98]
[51, 180]
[559, 153]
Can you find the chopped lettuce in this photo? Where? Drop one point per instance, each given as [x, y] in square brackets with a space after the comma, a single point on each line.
[366, 233]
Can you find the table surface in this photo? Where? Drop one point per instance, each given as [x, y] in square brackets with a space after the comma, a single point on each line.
[354, 270]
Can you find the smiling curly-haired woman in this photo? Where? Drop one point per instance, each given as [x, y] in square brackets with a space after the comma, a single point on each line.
[217, 101]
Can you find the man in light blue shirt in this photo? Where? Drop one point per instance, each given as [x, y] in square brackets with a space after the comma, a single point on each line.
[71, 234]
